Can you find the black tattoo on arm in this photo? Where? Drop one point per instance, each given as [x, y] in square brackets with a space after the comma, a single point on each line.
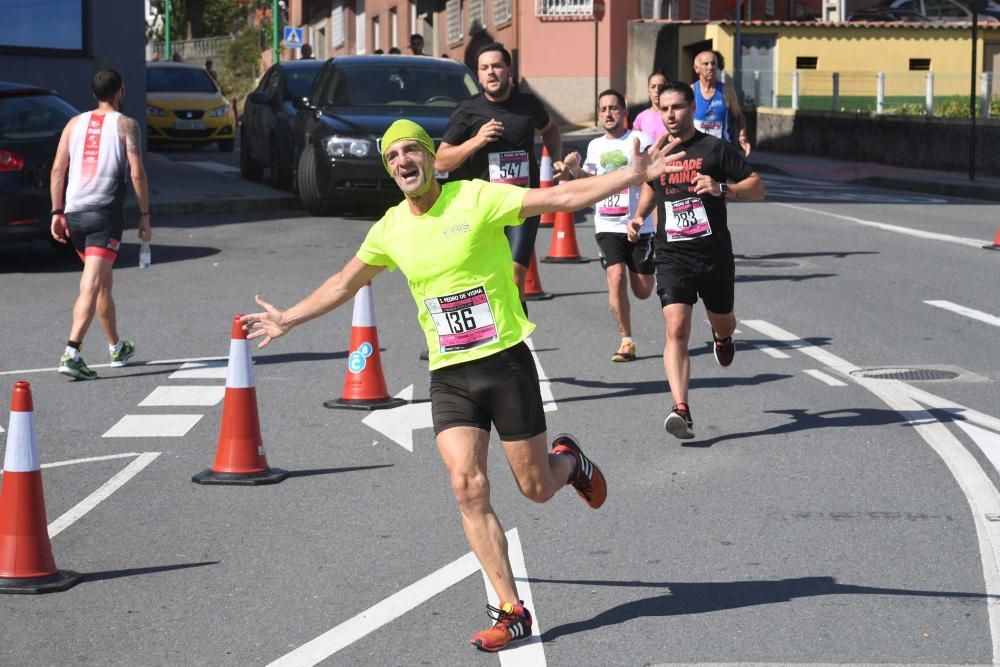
[128, 132]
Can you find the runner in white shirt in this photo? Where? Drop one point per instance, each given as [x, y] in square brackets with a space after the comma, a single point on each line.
[96, 150]
[624, 263]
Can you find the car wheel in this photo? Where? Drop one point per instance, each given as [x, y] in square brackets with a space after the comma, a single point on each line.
[225, 145]
[281, 176]
[249, 169]
[309, 191]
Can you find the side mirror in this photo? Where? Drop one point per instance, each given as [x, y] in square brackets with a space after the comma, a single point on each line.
[301, 103]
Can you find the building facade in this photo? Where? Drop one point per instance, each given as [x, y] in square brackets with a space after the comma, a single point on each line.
[61, 47]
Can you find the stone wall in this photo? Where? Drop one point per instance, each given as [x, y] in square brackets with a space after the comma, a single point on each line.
[906, 141]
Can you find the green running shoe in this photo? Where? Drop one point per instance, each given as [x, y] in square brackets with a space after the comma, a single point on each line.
[121, 357]
[76, 368]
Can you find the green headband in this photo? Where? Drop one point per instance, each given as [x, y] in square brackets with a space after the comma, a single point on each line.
[405, 130]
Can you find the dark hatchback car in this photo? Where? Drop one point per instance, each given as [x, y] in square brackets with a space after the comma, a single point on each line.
[31, 121]
[266, 126]
[352, 102]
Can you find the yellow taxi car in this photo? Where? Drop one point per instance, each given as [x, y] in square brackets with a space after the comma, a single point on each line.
[185, 106]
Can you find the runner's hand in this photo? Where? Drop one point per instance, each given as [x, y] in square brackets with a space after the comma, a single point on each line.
[705, 185]
[745, 145]
[567, 168]
[658, 159]
[632, 229]
[145, 230]
[270, 324]
[490, 132]
[59, 229]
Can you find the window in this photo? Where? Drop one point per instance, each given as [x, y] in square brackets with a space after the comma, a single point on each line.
[337, 33]
[501, 12]
[393, 28]
[178, 80]
[376, 33]
[454, 10]
[406, 86]
[946, 9]
[59, 25]
[33, 116]
[359, 27]
[806, 62]
[565, 8]
[920, 64]
[477, 16]
[700, 10]
[768, 9]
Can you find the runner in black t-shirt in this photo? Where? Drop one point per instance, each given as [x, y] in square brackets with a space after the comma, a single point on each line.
[492, 136]
[693, 248]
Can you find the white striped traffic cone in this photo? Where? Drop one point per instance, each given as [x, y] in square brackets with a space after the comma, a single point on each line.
[26, 561]
[364, 384]
[239, 457]
[545, 181]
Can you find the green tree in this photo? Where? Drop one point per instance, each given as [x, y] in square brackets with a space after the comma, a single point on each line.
[222, 17]
[240, 60]
[178, 20]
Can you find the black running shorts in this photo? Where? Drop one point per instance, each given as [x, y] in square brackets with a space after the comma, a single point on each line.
[522, 240]
[96, 232]
[615, 249]
[501, 390]
[684, 280]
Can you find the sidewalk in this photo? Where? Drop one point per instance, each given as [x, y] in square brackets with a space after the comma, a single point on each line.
[948, 183]
[183, 189]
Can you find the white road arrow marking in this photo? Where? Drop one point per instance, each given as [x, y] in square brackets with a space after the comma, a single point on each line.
[527, 653]
[398, 424]
[987, 441]
[394, 606]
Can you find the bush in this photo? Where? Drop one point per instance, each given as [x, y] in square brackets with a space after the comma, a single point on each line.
[241, 64]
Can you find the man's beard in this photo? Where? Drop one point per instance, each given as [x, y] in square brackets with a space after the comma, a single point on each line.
[503, 89]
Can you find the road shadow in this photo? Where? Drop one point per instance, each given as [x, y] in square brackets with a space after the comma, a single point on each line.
[138, 571]
[797, 278]
[839, 254]
[38, 258]
[556, 295]
[630, 389]
[333, 471]
[686, 598]
[294, 357]
[804, 420]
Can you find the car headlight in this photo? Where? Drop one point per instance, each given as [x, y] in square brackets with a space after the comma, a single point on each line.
[155, 111]
[347, 146]
[218, 112]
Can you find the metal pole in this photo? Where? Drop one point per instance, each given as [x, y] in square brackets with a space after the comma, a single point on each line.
[795, 90]
[987, 79]
[929, 94]
[166, 50]
[880, 92]
[836, 91]
[972, 95]
[596, 112]
[274, 31]
[738, 53]
[756, 88]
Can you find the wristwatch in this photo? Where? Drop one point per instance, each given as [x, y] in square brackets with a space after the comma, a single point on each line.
[723, 188]
[56, 211]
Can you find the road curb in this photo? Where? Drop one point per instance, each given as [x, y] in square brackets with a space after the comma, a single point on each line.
[219, 205]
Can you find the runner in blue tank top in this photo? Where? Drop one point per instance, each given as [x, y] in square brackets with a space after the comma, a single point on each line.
[715, 103]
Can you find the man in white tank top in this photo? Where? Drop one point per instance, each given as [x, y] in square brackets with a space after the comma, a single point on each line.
[94, 151]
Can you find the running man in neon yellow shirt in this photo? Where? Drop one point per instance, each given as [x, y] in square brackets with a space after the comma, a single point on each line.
[449, 242]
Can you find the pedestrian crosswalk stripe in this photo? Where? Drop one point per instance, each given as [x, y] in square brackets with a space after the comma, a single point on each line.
[184, 395]
[153, 426]
[201, 370]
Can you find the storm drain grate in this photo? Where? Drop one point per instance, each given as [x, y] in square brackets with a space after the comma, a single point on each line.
[765, 264]
[909, 374]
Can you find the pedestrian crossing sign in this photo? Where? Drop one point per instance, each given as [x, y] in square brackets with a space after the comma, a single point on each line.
[292, 38]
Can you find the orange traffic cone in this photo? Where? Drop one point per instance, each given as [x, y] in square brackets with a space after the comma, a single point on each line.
[533, 283]
[26, 561]
[996, 242]
[545, 181]
[563, 248]
[364, 384]
[239, 457]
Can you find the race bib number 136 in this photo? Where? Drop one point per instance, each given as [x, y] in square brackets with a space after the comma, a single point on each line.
[463, 320]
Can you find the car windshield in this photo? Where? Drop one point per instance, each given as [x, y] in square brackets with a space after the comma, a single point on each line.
[33, 116]
[399, 85]
[178, 80]
[300, 80]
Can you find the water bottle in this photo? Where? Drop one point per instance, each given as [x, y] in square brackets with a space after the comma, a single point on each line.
[144, 256]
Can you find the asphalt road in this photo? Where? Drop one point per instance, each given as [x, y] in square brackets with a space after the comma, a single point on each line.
[819, 517]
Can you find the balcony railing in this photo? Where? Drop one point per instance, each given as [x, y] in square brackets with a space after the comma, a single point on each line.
[565, 9]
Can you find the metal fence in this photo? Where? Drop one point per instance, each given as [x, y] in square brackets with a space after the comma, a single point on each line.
[926, 93]
[192, 49]
[564, 8]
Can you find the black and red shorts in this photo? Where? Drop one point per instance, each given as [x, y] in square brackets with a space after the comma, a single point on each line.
[96, 232]
[681, 279]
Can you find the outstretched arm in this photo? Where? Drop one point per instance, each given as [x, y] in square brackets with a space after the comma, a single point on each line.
[647, 165]
[333, 293]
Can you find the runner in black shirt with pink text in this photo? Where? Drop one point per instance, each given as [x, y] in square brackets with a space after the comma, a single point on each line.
[491, 136]
[693, 247]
